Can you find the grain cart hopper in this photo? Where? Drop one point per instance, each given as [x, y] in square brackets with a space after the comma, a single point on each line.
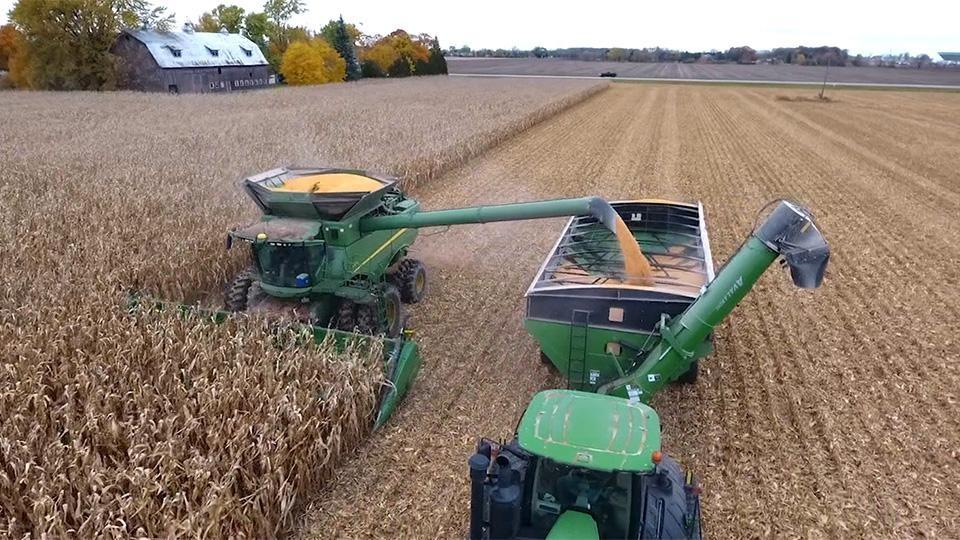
[588, 464]
[330, 249]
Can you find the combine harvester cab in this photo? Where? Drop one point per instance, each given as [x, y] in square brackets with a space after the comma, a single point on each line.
[591, 323]
[310, 260]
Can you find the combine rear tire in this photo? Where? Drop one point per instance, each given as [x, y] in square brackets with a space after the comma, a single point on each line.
[411, 278]
[235, 298]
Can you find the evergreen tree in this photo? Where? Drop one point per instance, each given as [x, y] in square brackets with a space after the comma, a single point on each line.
[438, 64]
[343, 43]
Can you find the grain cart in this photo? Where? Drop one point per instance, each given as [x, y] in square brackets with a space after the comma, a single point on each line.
[331, 251]
[588, 464]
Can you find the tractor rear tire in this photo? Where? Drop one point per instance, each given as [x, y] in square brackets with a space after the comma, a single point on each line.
[665, 513]
[235, 298]
[411, 278]
[690, 376]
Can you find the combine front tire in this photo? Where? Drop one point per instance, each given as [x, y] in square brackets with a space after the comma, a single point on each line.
[411, 278]
[346, 315]
[393, 313]
[385, 316]
[235, 298]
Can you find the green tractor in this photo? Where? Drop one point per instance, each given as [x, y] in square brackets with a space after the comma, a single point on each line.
[586, 462]
[331, 251]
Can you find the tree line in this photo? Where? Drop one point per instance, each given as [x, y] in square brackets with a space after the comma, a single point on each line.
[801, 55]
[65, 44]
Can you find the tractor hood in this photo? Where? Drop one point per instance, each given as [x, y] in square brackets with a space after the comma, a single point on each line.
[283, 230]
[574, 525]
[593, 431]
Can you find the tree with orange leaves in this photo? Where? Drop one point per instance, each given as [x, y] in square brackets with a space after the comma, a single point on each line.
[13, 57]
[394, 55]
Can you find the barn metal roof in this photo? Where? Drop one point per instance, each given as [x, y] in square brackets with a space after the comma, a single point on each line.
[950, 56]
[199, 49]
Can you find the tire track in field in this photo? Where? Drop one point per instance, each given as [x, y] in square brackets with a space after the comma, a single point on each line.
[874, 331]
[920, 154]
[839, 172]
[906, 109]
[748, 182]
[761, 174]
[920, 191]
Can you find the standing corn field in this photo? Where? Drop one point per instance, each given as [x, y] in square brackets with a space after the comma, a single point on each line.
[150, 423]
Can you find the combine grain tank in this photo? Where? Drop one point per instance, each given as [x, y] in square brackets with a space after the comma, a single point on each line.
[590, 322]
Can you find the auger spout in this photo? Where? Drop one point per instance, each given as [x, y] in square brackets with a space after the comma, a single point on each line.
[788, 231]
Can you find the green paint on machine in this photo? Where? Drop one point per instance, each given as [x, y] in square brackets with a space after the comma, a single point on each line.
[574, 525]
[592, 431]
[588, 464]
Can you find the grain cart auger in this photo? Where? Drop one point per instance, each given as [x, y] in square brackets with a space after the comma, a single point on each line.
[587, 462]
[330, 249]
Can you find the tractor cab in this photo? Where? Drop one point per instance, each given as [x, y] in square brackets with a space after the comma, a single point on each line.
[581, 465]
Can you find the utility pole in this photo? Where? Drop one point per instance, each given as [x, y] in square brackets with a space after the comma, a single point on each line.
[825, 73]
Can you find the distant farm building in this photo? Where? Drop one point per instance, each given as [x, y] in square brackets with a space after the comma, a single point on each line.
[951, 57]
[189, 61]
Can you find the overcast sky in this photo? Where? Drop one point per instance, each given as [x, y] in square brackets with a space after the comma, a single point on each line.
[864, 26]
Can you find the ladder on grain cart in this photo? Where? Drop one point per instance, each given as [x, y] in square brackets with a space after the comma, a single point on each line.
[577, 364]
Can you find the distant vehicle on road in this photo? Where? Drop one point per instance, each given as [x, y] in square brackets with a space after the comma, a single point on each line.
[608, 74]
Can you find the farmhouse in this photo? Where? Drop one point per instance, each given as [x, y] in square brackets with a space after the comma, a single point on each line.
[189, 61]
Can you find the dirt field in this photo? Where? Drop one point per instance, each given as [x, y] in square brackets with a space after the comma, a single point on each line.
[783, 72]
[826, 413]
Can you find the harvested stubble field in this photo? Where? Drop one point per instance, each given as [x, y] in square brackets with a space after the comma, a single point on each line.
[150, 424]
[675, 70]
[827, 413]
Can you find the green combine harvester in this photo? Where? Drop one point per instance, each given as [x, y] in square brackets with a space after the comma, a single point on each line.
[586, 462]
[330, 252]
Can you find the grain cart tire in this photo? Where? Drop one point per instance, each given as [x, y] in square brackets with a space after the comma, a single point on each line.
[664, 506]
[691, 374]
[411, 279]
[235, 298]
[545, 360]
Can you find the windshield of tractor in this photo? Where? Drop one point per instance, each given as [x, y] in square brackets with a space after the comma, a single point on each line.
[280, 264]
[606, 495]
